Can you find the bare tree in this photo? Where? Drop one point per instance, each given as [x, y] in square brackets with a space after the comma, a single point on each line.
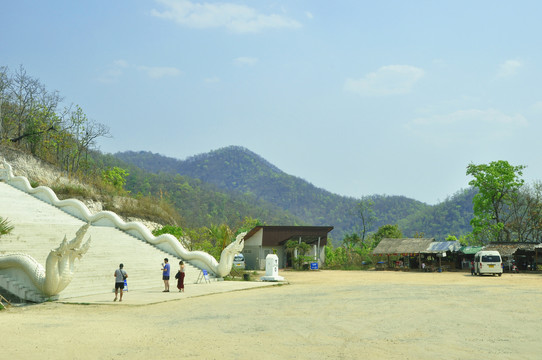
[24, 92]
[366, 215]
[4, 87]
[77, 138]
[524, 215]
[29, 117]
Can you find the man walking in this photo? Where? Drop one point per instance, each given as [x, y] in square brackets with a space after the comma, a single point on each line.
[165, 275]
[120, 275]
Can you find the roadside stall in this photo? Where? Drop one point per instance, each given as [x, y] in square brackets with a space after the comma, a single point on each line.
[444, 254]
[522, 255]
[404, 253]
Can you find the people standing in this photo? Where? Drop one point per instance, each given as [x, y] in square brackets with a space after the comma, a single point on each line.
[165, 274]
[472, 267]
[120, 275]
[180, 279]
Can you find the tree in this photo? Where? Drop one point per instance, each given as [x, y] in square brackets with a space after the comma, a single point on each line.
[24, 92]
[248, 224]
[451, 238]
[350, 241]
[498, 185]
[29, 118]
[367, 215]
[222, 234]
[386, 231]
[352, 246]
[299, 247]
[4, 85]
[525, 214]
[77, 138]
[39, 123]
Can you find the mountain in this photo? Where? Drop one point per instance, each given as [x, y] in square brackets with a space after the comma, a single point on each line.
[239, 172]
[198, 203]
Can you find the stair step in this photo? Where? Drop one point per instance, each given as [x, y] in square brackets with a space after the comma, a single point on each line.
[40, 227]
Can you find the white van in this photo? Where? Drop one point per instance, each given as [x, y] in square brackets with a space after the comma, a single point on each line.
[239, 261]
[488, 262]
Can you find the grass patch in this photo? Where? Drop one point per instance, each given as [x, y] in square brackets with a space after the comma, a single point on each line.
[240, 275]
[66, 191]
[144, 208]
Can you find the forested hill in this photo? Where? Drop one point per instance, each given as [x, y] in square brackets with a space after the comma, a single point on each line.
[450, 217]
[236, 169]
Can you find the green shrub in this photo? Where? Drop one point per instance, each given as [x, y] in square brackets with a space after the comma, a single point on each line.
[115, 176]
[5, 226]
[168, 229]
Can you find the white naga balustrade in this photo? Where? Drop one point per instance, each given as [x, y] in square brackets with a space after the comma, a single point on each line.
[165, 242]
[24, 277]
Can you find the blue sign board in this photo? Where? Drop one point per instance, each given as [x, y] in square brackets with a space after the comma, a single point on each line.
[314, 266]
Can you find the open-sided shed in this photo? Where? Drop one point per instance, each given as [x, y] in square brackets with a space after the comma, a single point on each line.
[390, 246]
[509, 249]
[524, 254]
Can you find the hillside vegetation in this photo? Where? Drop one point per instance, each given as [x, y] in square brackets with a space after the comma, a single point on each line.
[198, 203]
[242, 174]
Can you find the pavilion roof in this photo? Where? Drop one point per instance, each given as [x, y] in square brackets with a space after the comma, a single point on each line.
[402, 246]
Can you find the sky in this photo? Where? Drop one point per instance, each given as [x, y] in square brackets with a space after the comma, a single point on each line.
[356, 97]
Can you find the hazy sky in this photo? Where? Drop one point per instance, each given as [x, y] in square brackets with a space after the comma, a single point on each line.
[356, 97]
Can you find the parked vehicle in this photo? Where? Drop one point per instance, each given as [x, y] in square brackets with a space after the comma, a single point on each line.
[488, 262]
[239, 261]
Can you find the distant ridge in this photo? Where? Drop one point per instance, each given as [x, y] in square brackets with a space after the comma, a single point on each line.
[233, 148]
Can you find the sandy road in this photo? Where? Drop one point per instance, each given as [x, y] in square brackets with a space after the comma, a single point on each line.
[319, 315]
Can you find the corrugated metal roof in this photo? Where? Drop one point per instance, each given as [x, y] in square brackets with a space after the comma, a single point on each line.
[443, 246]
[402, 246]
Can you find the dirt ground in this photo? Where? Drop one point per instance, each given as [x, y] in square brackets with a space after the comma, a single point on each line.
[318, 315]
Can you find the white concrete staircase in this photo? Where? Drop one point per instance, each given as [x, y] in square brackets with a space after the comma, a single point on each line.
[40, 227]
[18, 292]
